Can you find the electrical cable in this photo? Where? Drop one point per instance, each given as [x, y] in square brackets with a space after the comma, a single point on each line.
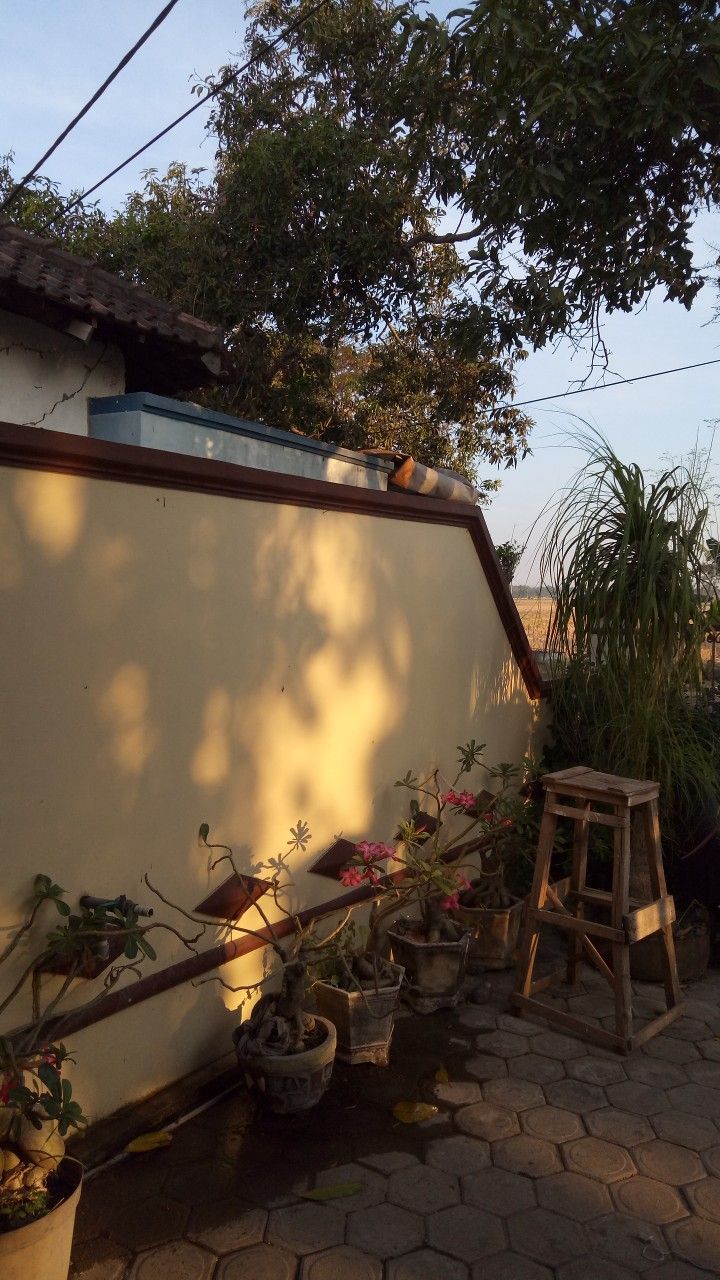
[604, 386]
[11, 197]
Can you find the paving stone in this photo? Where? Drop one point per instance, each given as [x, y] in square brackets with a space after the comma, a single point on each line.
[389, 1161]
[423, 1189]
[512, 1022]
[674, 1269]
[547, 1237]
[387, 1232]
[374, 1188]
[498, 1191]
[518, 1095]
[710, 1049]
[478, 1018]
[688, 1029]
[620, 1126]
[261, 1262]
[704, 1198]
[704, 1010]
[426, 1264]
[642, 1099]
[626, 1241]
[98, 1260]
[525, 1154]
[650, 1200]
[227, 1226]
[459, 1154]
[551, 1044]
[504, 1044]
[694, 1132]
[711, 1159]
[668, 1162]
[599, 1159]
[484, 1066]
[533, 1066]
[458, 1093]
[510, 1266]
[200, 1182]
[596, 1070]
[576, 1095]
[656, 1072]
[342, 1263]
[465, 1232]
[591, 1006]
[697, 1241]
[485, 1120]
[553, 1123]
[594, 1269]
[306, 1228]
[704, 1072]
[177, 1261]
[149, 1223]
[574, 1195]
[671, 1050]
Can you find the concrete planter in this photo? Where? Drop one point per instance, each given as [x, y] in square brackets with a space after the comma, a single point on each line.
[41, 1249]
[435, 970]
[363, 1019]
[292, 1082]
[495, 932]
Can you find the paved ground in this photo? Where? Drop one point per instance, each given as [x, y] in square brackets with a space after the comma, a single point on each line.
[548, 1160]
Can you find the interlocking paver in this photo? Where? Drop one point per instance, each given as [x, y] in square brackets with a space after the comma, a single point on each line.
[668, 1162]
[697, 1241]
[516, 1094]
[551, 1044]
[620, 1126]
[591, 1006]
[426, 1264]
[710, 1049]
[704, 1072]
[465, 1232]
[553, 1123]
[155, 1221]
[704, 1198]
[576, 1095]
[504, 1044]
[594, 1269]
[680, 1051]
[179, 1260]
[656, 1072]
[262, 1262]
[511, 1266]
[596, 1070]
[482, 1018]
[599, 1159]
[373, 1191]
[226, 1226]
[387, 1232]
[306, 1228]
[423, 1189]
[485, 1120]
[533, 1066]
[547, 1237]
[458, 1093]
[688, 1029]
[341, 1263]
[711, 1160]
[627, 1241]
[389, 1161]
[99, 1260]
[459, 1154]
[484, 1066]
[675, 1269]
[574, 1195]
[631, 1095]
[650, 1200]
[526, 1154]
[511, 1022]
[202, 1180]
[695, 1132]
[499, 1191]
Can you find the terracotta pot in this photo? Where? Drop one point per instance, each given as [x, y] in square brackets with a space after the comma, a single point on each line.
[495, 932]
[435, 970]
[40, 1250]
[363, 1019]
[294, 1081]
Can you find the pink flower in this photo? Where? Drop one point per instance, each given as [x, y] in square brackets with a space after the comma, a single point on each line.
[371, 875]
[374, 851]
[451, 902]
[462, 881]
[466, 799]
[350, 877]
[450, 797]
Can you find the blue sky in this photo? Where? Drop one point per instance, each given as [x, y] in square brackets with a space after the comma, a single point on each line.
[54, 53]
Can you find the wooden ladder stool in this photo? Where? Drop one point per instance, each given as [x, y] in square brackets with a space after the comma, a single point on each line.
[586, 796]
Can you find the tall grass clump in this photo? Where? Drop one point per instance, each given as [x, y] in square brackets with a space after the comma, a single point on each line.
[624, 557]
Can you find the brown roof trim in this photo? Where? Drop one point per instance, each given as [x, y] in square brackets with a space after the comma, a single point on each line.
[43, 450]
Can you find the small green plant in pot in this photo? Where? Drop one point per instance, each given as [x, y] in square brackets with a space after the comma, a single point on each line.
[358, 990]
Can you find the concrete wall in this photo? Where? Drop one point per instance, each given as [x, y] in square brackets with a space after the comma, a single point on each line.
[47, 376]
[160, 423]
[171, 657]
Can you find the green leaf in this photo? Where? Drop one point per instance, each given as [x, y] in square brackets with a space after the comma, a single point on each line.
[204, 832]
[335, 1192]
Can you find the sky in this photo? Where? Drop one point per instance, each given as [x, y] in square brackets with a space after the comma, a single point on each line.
[55, 53]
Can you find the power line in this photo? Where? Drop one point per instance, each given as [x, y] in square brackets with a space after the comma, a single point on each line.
[20, 186]
[605, 386]
[211, 93]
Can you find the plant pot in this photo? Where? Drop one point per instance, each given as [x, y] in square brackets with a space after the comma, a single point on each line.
[363, 1019]
[494, 935]
[40, 1250]
[692, 951]
[294, 1081]
[435, 970]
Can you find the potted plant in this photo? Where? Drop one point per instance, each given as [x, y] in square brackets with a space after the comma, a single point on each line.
[416, 903]
[39, 1184]
[358, 991]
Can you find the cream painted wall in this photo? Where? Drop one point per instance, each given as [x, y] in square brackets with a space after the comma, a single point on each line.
[171, 658]
[46, 376]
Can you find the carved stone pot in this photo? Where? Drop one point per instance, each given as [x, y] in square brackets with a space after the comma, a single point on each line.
[363, 1019]
[40, 1250]
[295, 1081]
[495, 932]
[435, 970]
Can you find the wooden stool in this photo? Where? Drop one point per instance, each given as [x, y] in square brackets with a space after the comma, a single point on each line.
[563, 903]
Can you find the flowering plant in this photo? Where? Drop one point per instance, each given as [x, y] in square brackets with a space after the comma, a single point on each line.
[433, 850]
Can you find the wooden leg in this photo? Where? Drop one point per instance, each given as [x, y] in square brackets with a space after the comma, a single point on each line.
[538, 894]
[673, 994]
[581, 837]
[621, 950]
